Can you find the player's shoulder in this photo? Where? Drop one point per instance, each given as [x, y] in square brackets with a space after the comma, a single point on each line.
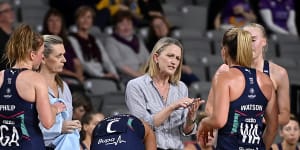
[32, 75]
[263, 78]
[223, 70]
[277, 70]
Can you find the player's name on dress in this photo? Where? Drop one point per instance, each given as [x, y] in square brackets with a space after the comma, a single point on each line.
[251, 107]
[7, 107]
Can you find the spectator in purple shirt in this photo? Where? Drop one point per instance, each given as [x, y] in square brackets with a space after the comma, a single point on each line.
[235, 13]
[279, 16]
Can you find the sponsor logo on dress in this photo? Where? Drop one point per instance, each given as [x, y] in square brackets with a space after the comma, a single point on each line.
[112, 141]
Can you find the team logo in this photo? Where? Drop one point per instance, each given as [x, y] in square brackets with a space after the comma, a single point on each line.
[7, 93]
[108, 129]
[251, 94]
[249, 131]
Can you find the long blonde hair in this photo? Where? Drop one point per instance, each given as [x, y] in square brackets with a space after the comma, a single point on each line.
[151, 67]
[22, 41]
[239, 43]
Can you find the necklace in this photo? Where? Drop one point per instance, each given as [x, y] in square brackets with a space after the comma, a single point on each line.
[163, 90]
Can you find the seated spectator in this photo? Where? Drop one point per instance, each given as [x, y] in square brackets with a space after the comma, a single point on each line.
[290, 134]
[125, 132]
[234, 13]
[81, 105]
[89, 122]
[159, 28]
[89, 49]
[127, 51]
[72, 73]
[7, 18]
[279, 16]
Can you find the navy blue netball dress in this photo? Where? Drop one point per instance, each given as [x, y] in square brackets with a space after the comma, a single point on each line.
[18, 118]
[266, 68]
[120, 132]
[244, 127]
